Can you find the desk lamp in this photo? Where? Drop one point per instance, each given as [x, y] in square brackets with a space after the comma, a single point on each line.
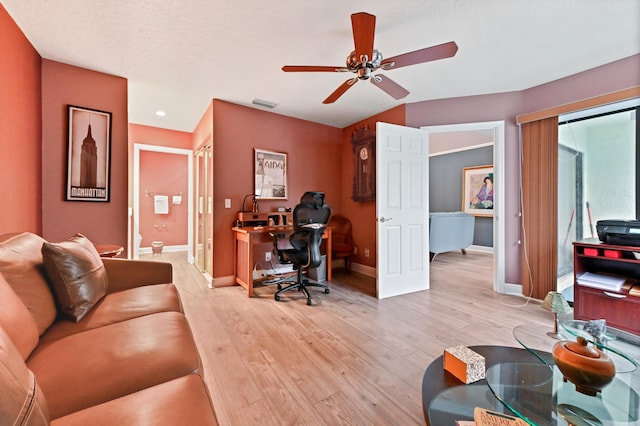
[254, 203]
[556, 303]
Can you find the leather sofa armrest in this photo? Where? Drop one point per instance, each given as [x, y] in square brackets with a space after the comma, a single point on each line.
[124, 274]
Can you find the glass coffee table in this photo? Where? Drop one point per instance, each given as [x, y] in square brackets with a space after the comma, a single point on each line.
[445, 399]
[524, 382]
[622, 347]
[538, 393]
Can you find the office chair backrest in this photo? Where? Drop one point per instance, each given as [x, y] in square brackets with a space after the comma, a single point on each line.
[311, 210]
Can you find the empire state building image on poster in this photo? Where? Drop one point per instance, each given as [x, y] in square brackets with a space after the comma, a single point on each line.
[88, 161]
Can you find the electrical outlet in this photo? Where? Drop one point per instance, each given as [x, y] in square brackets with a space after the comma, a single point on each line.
[227, 203]
[267, 256]
[366, 252]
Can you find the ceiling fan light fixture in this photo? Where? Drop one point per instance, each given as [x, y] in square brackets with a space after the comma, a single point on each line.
[364, 60]
[262, 102]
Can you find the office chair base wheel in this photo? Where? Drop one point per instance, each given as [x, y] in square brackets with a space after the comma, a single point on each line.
[277, 297]
[309, 302]
[326, 291]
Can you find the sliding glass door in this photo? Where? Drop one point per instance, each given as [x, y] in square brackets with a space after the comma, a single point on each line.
[598, 177]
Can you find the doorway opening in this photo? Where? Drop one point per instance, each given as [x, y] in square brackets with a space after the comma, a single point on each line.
[174, 199]
[494, 129]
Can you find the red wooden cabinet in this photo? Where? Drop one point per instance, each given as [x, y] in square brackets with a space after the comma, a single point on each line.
[620, 308]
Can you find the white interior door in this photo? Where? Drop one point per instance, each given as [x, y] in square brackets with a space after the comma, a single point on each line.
[402, 210]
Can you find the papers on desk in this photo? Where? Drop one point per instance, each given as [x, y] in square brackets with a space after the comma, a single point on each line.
[602, 282]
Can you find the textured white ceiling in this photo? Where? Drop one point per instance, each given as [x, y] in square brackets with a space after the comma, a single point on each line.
[179, 54]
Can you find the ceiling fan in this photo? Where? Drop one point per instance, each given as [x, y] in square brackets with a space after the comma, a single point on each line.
[365, 60]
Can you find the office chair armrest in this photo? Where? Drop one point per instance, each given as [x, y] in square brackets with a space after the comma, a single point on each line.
[314, 226]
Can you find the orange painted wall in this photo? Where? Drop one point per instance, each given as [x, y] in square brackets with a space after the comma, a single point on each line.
[203, 133]
[314, 151]
[148, 135]
[20, 130]
[63, 85]
[163, 174]
[363, 214]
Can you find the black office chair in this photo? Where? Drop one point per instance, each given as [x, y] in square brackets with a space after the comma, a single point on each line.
[310, 218]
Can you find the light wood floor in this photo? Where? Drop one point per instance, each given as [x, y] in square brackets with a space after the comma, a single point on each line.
[349, 359]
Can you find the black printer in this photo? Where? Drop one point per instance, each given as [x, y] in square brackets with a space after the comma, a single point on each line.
[619, 232]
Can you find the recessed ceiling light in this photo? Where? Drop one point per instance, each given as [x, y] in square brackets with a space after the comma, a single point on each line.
[160, 113]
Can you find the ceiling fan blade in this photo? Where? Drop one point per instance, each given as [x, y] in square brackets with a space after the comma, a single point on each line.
[340, 90]
[364, 27]
[312, 68]
[391, 87]
[433, 53]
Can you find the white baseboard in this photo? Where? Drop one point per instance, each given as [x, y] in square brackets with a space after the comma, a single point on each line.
[483, 249]
[147, 250]
[512, 289]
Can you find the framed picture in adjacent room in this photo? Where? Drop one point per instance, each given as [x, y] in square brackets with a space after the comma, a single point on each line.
[477, 190]
[88, 154]
[270, 170]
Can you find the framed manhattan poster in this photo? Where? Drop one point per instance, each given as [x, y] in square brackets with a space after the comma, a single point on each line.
[270, 175]
[88, 154]
[477, 190]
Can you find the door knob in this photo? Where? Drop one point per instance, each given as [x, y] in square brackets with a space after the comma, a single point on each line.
[384, 219]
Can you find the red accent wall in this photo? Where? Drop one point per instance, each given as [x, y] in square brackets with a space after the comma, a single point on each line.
[363, 214]
[313, 158]
[164, 174]
[20, 130]
[62, 85]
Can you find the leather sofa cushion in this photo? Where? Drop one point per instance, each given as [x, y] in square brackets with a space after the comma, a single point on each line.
[95, 366]
[21, 265]
[183, 401]
[16, 320]
[120, 306]
[21, 399]
[76, 273]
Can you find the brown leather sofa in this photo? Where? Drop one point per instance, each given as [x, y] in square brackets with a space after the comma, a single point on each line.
[85, 340]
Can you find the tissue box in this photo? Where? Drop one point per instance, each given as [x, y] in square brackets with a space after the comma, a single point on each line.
[465, 364]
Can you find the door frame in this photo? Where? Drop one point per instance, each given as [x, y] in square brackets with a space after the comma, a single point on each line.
[499, 219]
[137, 148]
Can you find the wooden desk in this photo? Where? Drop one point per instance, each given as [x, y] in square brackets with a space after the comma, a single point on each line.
[244, 240]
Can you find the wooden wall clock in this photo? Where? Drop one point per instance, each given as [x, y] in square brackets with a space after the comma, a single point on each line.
[364, 178]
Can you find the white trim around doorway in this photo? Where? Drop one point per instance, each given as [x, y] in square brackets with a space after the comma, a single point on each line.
[135, 229]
